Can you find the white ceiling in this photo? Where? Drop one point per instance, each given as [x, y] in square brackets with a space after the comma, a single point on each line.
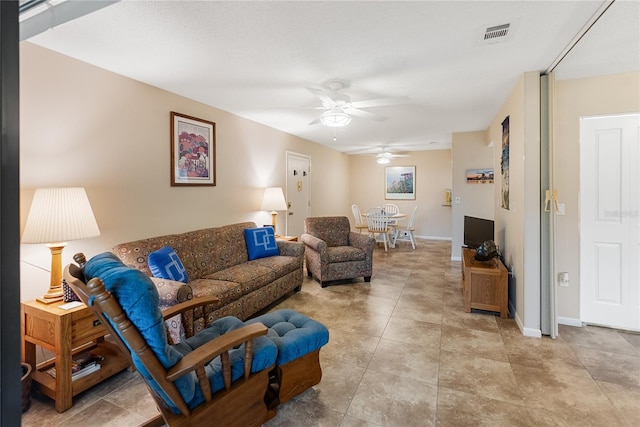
[256, 58]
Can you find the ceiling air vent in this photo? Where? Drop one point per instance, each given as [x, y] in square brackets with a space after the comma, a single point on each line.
[497, 33]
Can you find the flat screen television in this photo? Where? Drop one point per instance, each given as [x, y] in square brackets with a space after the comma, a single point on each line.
[476, 231]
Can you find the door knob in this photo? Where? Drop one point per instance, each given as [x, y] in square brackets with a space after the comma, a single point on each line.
[290, 213]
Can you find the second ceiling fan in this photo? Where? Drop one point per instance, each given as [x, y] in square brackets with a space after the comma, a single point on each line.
[340, 109]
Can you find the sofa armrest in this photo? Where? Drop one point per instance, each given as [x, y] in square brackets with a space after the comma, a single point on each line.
[172, 292]
[362, 241]
[314, 243]
[294, 249]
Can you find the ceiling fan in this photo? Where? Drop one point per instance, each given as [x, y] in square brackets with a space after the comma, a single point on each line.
[340, 109]
[385, 156]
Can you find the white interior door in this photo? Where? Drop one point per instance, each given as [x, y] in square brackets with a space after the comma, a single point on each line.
[298, 194]
[609, 221]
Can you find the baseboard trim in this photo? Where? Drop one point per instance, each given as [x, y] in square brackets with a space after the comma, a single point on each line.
[569, 321]
[533, 333]
[456, 258]
[434, 238]
[527, 332]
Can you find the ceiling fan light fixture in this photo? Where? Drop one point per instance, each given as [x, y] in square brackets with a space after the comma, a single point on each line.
[383, 160]
[335, 119]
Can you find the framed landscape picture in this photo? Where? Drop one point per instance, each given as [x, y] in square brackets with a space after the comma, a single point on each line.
[479, 176]
[400, 183]
[193, 151]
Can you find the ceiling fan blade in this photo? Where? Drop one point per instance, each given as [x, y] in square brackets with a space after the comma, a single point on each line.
[381, 102]
[390, 155]
[314, 122]
[364, 114]
[326, 98]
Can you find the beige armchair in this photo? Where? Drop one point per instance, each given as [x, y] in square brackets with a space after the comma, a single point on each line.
[334, 252]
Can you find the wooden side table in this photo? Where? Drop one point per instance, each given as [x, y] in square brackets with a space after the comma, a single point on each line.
[484, 285]
[65, 333]
[287, 238]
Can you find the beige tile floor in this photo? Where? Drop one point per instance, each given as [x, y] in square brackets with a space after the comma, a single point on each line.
[402, 352]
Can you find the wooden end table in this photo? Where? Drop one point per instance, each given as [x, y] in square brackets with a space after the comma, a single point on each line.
[66, 333]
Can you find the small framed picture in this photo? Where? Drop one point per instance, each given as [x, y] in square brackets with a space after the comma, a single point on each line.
[193, 151]
[479, 176]
[400, 183]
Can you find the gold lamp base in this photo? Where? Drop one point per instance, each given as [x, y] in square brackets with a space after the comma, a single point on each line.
[54, 294]
[273, 222]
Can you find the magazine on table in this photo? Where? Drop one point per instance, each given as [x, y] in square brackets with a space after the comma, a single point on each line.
[82, 364]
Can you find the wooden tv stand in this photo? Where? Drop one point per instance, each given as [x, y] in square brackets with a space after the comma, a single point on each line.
[484, 284]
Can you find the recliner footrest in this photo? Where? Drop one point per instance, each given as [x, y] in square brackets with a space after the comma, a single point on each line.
[299, 340]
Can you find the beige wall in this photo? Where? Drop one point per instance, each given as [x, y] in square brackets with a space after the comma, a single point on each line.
[84, 126]
[471, 150]
[517, 228]
[614, 94]
[433, 176]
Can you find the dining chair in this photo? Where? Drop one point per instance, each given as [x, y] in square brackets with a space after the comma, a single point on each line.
[408, 229]
[391, 209]
[378, 224]
[357, 217]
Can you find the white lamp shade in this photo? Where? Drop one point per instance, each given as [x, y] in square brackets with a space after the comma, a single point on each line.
[273, 200]
[60, 215]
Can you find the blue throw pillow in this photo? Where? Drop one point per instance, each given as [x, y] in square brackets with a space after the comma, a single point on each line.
[165, 264]
[261, 242]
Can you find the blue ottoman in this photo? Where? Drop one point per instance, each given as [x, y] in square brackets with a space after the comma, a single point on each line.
[299, 340]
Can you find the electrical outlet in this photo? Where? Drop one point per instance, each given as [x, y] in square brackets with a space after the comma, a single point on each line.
[560, 208]
[563, 279]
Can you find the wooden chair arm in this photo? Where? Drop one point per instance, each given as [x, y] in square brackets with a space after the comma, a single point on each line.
[188, 305]
[209, 351]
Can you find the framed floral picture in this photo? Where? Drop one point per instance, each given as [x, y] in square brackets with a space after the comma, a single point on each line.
[400, 183]
[193, 151]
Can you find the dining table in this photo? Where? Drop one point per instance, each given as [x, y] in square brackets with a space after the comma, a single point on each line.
[391, 219]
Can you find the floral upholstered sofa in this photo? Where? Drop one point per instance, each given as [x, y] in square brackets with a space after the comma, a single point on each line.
[217, 264]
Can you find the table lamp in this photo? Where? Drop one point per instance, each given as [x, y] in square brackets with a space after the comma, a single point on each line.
[273, 201]
[58, 215]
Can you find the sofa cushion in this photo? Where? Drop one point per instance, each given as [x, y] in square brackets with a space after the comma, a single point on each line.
[261, 242]
[215, 249]
[345, 254]
[250, 275]
[280, 265]
[226, 291]
[135, 254]
[166, 264]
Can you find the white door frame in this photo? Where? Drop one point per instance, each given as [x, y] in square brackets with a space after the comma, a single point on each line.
[301, 211]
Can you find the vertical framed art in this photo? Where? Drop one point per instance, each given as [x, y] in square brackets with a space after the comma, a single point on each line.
[400, 183]
[504, 164]
[193, 151]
